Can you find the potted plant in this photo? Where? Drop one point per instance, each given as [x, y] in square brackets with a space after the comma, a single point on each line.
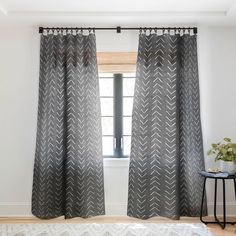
[225, 152]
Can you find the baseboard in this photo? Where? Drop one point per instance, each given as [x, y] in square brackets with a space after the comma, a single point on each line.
[15, 209]
[119, 209]
[23, 209]
[230, 208]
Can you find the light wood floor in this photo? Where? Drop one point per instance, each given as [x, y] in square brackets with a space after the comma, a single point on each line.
[229, 231]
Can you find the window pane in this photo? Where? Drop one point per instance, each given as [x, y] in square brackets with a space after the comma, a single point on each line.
[107, 125]
[107, 106]
[126, 145]
[127, 106]
[127, 124]
[106, 75]
[106, 87]
[128, 75]
[128, 86]
[107, 146]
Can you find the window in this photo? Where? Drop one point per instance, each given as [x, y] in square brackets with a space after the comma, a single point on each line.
[116, 94]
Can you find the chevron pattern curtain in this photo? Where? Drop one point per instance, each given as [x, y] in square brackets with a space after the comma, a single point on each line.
[166, 147]
[68, 169]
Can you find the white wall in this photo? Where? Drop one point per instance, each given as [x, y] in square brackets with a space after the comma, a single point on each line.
[19, 63]
[217, 63]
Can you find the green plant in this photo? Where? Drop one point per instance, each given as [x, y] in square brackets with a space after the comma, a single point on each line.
[225, 150]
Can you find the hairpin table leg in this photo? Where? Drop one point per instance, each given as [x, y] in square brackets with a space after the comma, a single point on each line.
[224, 209]
[203, 195]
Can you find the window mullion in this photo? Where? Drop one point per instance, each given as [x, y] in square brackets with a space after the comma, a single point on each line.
[118, 115]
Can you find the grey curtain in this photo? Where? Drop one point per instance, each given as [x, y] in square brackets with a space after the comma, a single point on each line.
[166, 146]
[68, 169]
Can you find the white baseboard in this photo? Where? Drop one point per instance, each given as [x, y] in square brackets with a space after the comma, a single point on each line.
[15, 209]
[23, 209]
[119, 209]
[230, 208]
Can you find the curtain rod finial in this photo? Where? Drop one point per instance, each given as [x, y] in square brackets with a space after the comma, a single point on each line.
[195, 30]
[118, 29]
[40, 30]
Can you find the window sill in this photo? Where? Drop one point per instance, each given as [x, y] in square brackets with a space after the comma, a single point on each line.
[116, 162]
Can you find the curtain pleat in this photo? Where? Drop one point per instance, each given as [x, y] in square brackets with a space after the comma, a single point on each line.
[68, 169]
[166, 146]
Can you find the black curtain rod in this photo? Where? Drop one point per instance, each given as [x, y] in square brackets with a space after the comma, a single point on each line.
[118, 28]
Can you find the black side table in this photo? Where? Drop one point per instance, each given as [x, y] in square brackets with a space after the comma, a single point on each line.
[216, 177]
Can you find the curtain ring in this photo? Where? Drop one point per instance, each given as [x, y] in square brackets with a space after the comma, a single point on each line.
[155, 30]
[140, 30]
[93, 30]
[81, 30]
[145, 30]
[179, 31]
[163, 30]
[89, 30]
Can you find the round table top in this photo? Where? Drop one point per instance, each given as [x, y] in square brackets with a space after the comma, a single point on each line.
[218, 175]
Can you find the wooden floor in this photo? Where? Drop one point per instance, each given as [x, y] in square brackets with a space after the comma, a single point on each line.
[217, 231]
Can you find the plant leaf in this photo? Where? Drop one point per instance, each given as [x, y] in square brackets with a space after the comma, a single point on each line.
[234, 147]
[214, 145]
[223, 150]
[227, 139]
[209, 153]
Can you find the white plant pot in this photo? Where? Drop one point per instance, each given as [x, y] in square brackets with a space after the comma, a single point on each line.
[228, 166]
